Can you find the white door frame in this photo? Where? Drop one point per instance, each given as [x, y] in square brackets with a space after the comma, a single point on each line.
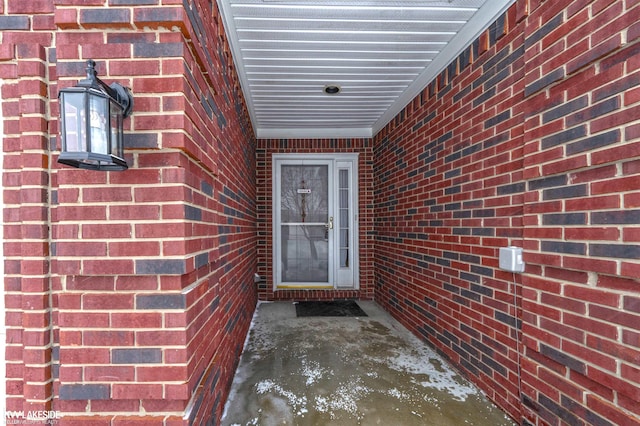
[341, 276]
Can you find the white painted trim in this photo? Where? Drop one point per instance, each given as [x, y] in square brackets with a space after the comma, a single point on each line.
[481, 20]
[234, 43]
[316, 133]
[350, 274]
[338, 156]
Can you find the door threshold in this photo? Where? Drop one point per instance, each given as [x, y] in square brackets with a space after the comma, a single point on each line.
[304, 287]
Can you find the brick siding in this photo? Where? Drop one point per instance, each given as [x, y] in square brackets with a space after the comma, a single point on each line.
[530, 138]
[127, 292]
[580, 149]
[132, 292]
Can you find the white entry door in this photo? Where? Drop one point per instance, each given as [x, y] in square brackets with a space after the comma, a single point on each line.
[314, 221]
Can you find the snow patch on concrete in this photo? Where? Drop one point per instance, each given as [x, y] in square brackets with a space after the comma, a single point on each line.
[430, 374]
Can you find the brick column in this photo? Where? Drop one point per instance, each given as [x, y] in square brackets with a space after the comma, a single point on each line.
[155, 264]
[26, 228]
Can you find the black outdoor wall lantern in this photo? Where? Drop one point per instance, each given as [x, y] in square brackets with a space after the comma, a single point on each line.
[91, 118]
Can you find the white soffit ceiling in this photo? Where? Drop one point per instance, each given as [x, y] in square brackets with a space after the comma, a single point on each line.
[381, 53]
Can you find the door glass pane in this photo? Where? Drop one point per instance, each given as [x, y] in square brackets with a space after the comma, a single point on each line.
[304, 194]
[344, 215]
[305, 254]
[343, 208]
[304, 212]
[344, 258]
[344, 238]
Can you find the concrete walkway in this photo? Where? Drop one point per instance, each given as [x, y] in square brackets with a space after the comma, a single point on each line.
[347, 371]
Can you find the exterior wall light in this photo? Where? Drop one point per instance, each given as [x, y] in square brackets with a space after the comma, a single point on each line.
[332, 89]
[91, 118]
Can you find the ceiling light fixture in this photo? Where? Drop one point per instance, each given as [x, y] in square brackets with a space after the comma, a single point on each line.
[332, 89]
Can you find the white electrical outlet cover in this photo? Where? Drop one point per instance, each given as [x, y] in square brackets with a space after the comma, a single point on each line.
[511, 259]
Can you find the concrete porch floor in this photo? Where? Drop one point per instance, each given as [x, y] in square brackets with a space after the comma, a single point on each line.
[347, 371]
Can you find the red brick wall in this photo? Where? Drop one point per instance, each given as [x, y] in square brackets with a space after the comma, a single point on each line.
[535, 144]
[268, 147]
[139, 299]
[132, 292]
[581, 297]
[448, 194]
[23, 70]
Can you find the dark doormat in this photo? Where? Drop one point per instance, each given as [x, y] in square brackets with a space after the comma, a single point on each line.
[337, 308]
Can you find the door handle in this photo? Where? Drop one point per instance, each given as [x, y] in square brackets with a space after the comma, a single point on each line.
[330, 224]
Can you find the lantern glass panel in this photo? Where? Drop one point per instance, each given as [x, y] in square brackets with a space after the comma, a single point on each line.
[99, 124]
[117, 139]
[73, 126]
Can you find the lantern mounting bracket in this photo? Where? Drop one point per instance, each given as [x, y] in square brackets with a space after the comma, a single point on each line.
[122, 95]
